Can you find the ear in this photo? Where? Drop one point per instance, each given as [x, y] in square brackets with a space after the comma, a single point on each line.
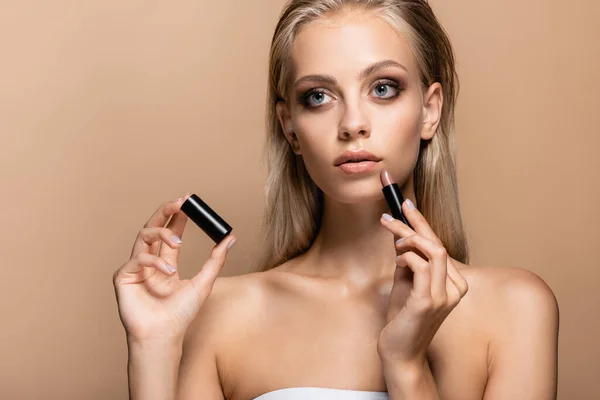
[432, 110]
[285, 120]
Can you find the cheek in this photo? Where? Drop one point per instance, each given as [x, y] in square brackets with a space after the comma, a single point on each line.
[315, 153]
[316, 135]
[317, 139]
[400, 127]
[400, 135]
[403, 121]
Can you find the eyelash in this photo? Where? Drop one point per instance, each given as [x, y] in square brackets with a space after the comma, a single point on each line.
[303, 98]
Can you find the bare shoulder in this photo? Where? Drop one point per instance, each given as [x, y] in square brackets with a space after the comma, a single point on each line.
[508, 287]
[228, 312]
[519, 317]
[510, 298]
[231, 306]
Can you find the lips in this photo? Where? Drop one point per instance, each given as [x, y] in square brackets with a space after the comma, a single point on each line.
[355, 157]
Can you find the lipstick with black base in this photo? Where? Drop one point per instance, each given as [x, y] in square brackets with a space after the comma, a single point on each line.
[393, 196]
[206, 219]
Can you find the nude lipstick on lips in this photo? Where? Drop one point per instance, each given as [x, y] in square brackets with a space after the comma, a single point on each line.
[356, 162]
[393, 196]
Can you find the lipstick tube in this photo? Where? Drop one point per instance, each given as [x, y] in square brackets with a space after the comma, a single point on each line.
[393, 196]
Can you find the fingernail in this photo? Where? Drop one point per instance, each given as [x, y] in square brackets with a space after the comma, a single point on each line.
[410, 204]
[170, 268]
[176, 239]
[399, 240]
[230, 245]
[387, 217]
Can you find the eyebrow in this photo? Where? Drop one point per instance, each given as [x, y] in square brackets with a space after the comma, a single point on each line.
[362, 74]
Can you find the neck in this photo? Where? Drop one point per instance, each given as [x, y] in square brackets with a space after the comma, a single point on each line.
[352, 245]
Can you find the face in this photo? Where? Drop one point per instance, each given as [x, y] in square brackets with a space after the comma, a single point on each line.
[356, 86]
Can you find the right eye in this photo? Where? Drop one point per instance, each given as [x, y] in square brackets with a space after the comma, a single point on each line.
[315, 98]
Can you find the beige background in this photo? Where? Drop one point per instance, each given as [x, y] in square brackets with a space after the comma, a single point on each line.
[108, 108]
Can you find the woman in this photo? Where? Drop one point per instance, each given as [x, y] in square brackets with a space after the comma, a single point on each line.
[349, 303]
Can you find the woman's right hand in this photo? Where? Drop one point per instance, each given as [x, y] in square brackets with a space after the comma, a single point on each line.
[154, 304]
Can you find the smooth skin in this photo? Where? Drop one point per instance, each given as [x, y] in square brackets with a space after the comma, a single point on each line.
[359, 310]
[155, 305]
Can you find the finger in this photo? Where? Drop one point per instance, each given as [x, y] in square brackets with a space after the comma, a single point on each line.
[438, 260]
[204, 280]
[453, 293]
[418, 221]
[158, 219]
[458, 279]
[164, 212]
[133, 270]
[397, 227]
[422, 276]
[177, 226]
[148, 236]
[178, 220]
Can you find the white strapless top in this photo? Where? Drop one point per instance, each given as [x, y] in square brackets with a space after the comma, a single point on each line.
[314, 393]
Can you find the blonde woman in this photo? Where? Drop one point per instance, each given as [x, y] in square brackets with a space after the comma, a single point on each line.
[348, 302]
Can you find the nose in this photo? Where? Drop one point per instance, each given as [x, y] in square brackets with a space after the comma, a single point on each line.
[354, 123]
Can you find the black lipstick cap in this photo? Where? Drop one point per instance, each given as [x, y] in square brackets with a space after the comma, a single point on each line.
[206, 219]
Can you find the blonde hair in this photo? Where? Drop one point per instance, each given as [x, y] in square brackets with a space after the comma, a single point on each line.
[294, 204]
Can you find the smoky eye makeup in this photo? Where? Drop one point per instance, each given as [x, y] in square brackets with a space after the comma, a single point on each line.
[388, 82]
[314, 97]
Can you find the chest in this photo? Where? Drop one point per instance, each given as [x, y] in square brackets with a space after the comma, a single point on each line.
[335, 346]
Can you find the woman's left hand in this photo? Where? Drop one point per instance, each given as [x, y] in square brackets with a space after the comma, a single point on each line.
[436, 288]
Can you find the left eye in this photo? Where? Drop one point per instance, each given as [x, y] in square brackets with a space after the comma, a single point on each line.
[383, 90]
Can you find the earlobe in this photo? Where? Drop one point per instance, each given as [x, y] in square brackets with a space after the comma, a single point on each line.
[285, 121]
[432, 110]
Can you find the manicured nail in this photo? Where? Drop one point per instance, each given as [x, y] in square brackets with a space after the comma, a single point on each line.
[230, 245]
[387, 217]
[399, 240]
[410, 204]
[170, 268]
[176, 239]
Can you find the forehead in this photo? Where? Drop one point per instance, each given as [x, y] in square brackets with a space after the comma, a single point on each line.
[346, 43]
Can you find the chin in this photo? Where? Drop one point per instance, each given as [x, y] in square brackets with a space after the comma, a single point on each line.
[355, 192]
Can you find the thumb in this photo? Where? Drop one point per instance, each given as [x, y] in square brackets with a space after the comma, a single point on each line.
[202, 283]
